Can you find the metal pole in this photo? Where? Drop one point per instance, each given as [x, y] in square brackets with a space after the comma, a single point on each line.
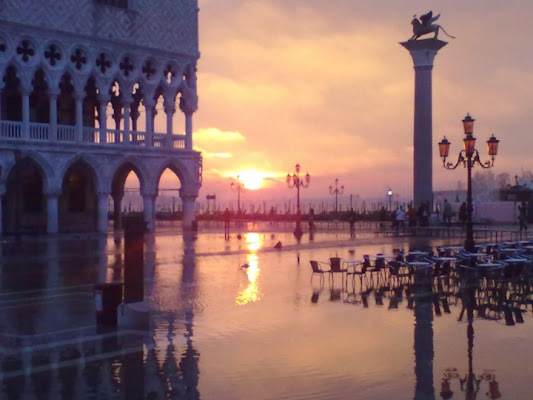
[469, 241]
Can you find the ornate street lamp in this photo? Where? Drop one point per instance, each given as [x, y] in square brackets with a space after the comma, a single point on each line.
[389, 193]
[237, 186]
[336, 192]
[294, 181]
[469, 157]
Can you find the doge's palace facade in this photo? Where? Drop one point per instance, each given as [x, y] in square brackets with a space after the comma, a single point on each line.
[81, 84]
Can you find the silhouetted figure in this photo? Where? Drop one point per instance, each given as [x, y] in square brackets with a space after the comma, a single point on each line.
[447, 212]
[311, 220]
[463, 214]
[226, 216]
[522, 217]
[351, 220]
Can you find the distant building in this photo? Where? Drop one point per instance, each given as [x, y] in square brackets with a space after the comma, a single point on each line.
[81, 83]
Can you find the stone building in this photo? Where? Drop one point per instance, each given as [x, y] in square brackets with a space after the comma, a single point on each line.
[81, 84]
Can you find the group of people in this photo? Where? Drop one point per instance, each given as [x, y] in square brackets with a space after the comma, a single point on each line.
[448, 213]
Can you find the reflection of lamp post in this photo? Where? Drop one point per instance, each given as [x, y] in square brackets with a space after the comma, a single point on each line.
[336, 192]
[389, 193]
[470, 383]
[294, 181]
[469, 156]
[238, 186]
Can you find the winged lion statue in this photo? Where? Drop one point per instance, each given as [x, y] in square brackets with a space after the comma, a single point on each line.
[426, 25]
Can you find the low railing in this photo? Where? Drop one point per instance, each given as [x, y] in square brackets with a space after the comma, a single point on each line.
[66, 133]
[39, 131]
[91, 135]
[178, 141]
[10, 129]
[69, 133]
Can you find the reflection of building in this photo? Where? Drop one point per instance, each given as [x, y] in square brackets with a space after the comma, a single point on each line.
[79, 101]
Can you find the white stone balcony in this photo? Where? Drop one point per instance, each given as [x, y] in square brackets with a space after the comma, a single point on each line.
[38, 132]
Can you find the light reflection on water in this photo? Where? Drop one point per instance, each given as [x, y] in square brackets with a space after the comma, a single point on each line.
[269, 331]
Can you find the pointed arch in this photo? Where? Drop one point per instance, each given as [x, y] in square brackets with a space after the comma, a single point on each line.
[77, 204]
[24, 203]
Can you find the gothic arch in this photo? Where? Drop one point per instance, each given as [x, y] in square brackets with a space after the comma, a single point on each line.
[99, 179]
[77, 203]
[122, 170]
[49, 176]
[179, 168]
[24, 202]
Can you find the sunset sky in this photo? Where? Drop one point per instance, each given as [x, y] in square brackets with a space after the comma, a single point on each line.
[327, 85]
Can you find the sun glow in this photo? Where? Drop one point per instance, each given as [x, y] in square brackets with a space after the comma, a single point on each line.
[251, 178]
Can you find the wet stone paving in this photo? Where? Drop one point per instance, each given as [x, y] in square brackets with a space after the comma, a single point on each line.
[242, 318]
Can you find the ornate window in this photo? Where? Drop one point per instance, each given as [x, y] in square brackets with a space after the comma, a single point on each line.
[114, 3]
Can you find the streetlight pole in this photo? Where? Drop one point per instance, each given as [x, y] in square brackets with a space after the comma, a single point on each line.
[389, 193]
[294, 181]
[469, 157]
[336, 192]
[238, 186]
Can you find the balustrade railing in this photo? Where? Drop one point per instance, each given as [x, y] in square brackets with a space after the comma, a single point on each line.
[39, 131]
[91, 135]
[178, 141]
[68, 133]
[10, 129]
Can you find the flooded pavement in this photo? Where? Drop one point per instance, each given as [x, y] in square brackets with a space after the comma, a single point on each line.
[240, 319]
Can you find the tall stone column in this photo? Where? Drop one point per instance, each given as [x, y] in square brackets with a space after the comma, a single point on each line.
[26, 111]
[79, 95]
[102, 116]
[102, 220]
[149, 104]
[52, 215]
[149, 211]
[188, 199]
[53, 113]
[423, 53]
[170, 110]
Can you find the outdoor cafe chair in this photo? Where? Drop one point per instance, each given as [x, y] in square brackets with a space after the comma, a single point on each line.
[356, 269]
[315, 265]
[335, 264]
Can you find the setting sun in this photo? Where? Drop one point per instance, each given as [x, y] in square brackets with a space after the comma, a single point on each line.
[251, 179]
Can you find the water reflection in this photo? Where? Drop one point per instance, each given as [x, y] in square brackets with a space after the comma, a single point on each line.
[254, 242]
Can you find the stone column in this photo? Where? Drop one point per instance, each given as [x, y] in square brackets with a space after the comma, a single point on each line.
[188, 131]
[126, 102]
[26, 112]
[149, 104]
[423, 52]
[52, 213]
[149, 211]
[79, 94]
[170, 109]
[102, 114]
[117, 211]
[102, 222]
[53, 114]
[188, 202]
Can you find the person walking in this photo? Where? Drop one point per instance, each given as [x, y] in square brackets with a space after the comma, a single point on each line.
[447, 212]
[462, 214]
[522, 217]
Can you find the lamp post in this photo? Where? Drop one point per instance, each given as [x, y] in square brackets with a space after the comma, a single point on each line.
[336, 192]
[469, 157]
[389, 193]
[237, 186]
[294, 181]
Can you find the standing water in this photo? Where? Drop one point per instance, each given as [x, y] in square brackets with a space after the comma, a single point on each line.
[241, 319]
